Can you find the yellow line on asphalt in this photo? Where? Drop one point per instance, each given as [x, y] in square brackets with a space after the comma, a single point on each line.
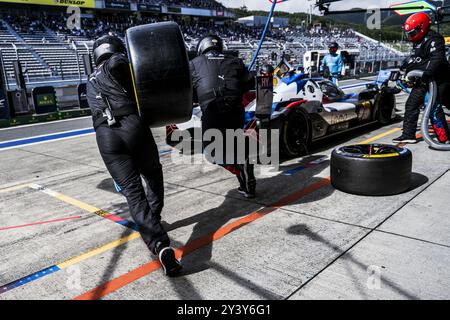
[76, 203]
[382, 135]
[91, 209]
[15, 188]
[98, 250]
[66, 199]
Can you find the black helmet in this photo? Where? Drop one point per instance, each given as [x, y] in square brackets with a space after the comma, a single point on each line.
[334, 47]
[208, 43]
[267, 69]
[106, 46]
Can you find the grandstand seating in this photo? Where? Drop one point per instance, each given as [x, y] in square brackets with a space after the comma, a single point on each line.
[48, 50]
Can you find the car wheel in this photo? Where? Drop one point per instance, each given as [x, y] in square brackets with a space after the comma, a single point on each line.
[371, 170]
[385, 103]
[295, 135]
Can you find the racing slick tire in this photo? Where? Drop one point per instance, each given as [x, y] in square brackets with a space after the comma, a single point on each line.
[161, 75]
[295, 135]
[385, 104]
[371, 170]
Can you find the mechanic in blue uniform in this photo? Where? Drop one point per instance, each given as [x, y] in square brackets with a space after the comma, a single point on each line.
[127, 146]
[428, 56]
[333, 62]
[219, 82]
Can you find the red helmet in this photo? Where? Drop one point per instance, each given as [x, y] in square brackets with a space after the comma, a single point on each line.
[417, 26]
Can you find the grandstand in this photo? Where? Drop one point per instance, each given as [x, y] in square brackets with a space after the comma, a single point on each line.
[49, 50]
[51, 53]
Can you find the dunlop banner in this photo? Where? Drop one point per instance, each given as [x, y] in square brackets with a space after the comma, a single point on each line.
[65, 3]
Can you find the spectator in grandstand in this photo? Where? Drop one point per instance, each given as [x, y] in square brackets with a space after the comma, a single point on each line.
[219, 84]
[332, 63]
[127, 146]
[428, 56]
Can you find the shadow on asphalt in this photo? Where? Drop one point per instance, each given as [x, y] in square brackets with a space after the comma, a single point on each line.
[417, 180]
[302, 230]
[108, 272]
[209, 221]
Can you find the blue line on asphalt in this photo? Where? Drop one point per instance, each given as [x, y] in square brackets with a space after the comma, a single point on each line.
[50, 137]
[294, 171]
[54, 136]
[29, 278]
[291, 172]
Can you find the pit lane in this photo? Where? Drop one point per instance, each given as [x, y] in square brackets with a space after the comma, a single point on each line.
[66, 233]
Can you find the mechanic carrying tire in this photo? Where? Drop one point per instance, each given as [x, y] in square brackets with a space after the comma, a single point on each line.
[428, 56]
[124, 139]
[371, 170]
[219, 83]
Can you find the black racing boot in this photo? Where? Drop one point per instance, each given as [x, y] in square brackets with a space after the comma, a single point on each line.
[405, 139]
[247, 180]
[168, 260]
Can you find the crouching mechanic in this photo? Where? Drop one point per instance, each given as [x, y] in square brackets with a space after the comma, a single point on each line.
[127, 146]
[219, 82]
[333, 62]
[428, 56]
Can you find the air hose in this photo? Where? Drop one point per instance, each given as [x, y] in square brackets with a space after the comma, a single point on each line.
[269, 20]
[430, 108]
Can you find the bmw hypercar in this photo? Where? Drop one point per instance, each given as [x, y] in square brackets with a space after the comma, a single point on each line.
[306, 109]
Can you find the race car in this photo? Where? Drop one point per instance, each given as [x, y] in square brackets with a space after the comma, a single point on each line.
[306, 109]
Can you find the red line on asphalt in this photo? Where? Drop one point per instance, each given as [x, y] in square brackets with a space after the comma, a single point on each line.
[113, 217]
[40, 222]
[146, 269]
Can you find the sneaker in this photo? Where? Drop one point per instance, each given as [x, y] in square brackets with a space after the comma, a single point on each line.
[405, 139]
[245, 193]
[169, 262]
[247, 180]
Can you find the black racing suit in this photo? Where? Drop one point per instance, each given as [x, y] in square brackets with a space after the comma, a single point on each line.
[428, 56]
[128, 148]
[219, 84]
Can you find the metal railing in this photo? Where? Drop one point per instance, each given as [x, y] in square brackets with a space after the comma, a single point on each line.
[35, 73]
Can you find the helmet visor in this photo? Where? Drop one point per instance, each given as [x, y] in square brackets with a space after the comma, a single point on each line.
[411, 34]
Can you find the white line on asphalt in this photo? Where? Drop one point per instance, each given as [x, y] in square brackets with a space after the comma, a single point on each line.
[46, 135]
[43, 123]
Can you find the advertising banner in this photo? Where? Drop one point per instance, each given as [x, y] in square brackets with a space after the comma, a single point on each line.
[149, 7]
[117, 5]
[44, 99]
[65, 3]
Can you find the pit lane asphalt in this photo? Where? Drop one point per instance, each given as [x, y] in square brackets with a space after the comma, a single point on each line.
[299, 239]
